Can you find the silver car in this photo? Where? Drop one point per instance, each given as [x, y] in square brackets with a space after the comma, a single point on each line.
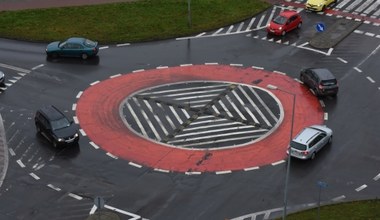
[309, 141]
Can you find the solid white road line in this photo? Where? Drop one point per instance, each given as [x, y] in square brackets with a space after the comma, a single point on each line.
[361, 188]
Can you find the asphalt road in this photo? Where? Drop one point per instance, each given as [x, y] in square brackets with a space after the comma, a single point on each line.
[47, 183]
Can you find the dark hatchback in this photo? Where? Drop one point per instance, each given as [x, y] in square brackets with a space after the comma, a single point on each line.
[55, 126]
[320, 80]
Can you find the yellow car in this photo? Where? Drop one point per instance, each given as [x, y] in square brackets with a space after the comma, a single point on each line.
[318, 5]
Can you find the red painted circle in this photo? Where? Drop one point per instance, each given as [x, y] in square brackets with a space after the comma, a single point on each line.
[98, 115]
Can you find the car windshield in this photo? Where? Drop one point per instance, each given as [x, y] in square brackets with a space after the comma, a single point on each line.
[89, 43]
[280, 20]
[328, 82]
[298, 146]
[60, 123]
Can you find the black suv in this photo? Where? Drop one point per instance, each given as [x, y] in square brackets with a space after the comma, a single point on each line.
[55, 126]
[320, 80]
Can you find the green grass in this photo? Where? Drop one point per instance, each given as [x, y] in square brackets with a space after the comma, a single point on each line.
[358, 210]
[143, 20]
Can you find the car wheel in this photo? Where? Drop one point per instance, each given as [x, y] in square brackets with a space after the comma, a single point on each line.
[312, 156]
[299, 25]
[84, 56]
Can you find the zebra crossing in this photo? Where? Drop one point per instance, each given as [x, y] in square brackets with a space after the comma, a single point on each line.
[367, 11]
[12, 75]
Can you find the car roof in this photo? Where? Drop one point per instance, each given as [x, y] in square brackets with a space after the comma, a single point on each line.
[51, 112]
[323, 73]
[306, 134]
[76, 40]
[288, 13]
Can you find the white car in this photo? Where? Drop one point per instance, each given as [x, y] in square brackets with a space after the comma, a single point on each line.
[309, 141]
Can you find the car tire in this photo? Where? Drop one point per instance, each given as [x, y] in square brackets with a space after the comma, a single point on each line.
[299, 25]
[312, 156]
[84, 56]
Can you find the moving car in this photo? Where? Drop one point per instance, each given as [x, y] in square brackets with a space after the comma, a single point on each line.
[320, 80]
[318, 5]
[2, 79]
[55, 126]
[73, 47]
[284, 22]
[309, 141]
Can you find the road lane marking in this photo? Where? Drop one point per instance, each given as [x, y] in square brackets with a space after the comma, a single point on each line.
[114, 76]
[376, 178]
[79, 94]
[342, 60]
[74, 107]
[72, 195]
[326, 116]
[223, 172]
[54, 187]
[161, 170]
[94, 145]
[193, 173]
[370, 79]
[111, 155]
[34, 176]
[94, 83]
[14, 68]
[82, 132]
[122, 45]
[336, 199]
[251, 168]
[20, 163]
[278, 162]
[38, 66]
[361, 188]
[136, 71]
[357, 69]
[135, 164]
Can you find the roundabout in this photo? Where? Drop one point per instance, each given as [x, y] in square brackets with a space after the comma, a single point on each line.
[197, 118]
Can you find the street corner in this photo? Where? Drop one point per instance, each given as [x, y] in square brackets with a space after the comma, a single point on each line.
[197, 118]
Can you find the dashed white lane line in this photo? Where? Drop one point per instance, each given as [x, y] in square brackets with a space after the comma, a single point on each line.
[135, 164]
[38, 66]
[94, 83]
[79, 94]
[223, 172]
[20, 163]
[278, 162]
[326, 116]
[74, 107]
[339, 198]
[11, 152]
[187, 64]
[54, 187]
[376, 178]
[122, 45]
[236, 64]
[76, 121]
[193, 173]
[161, 170]
[251, 168]
[361, 188]
[279, 72]
[136, 71]
[72, 195]
[211, 63]
[357, 69]
[114, 76]
[258, 67]
[34, 176]
[162, 67]
[82, 132]
[104, 47]
[111, 155]
[342, 60]
[370, 79]
[94, 145]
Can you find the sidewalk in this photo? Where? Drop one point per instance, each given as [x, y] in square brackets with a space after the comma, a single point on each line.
[3, 152]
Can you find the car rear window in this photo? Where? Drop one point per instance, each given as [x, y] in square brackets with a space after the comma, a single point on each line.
[89, 43]
[297, 146]
[330, 82]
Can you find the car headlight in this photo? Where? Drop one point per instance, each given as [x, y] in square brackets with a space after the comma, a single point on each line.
[76, 135]
[60, 139]
[280, 28]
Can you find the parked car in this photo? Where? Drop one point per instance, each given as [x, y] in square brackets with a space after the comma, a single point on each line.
[2, 79]
[309, 141]
[318, 5]
[284, 22]
[320, 80]
[55, 126]
[73, 47]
